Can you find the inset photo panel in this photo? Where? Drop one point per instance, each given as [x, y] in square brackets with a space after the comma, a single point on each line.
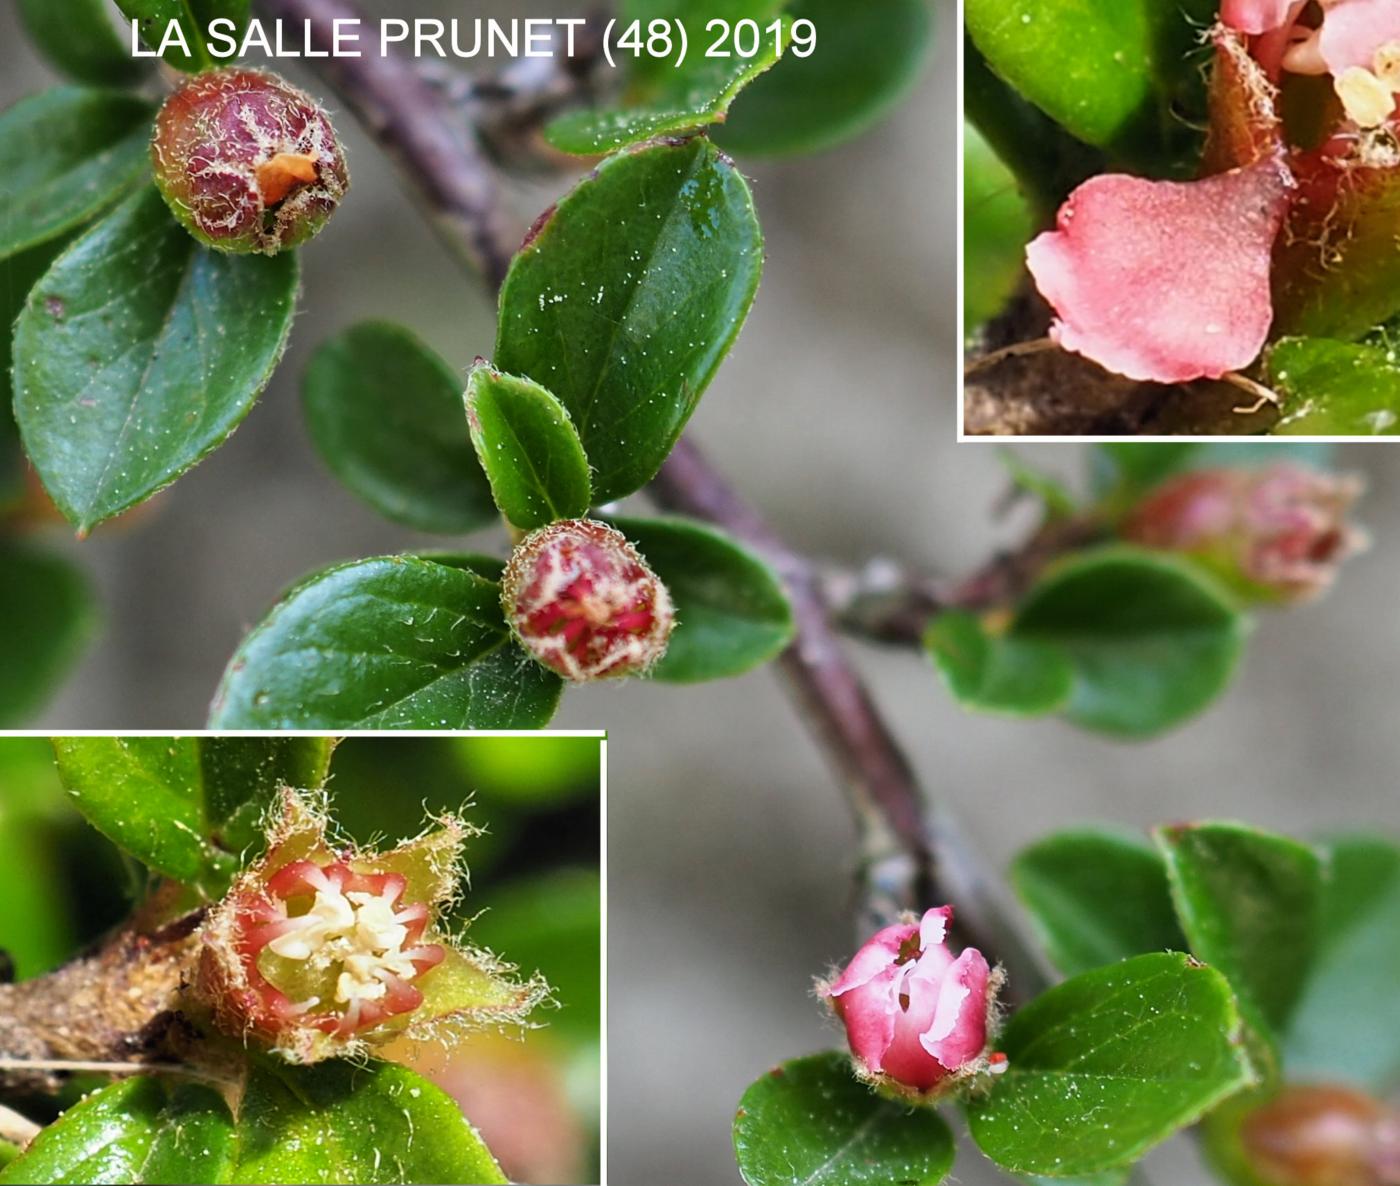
[245, 958]
[1181, 219]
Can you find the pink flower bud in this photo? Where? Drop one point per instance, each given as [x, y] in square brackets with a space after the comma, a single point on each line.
[917, 1016]
[1275, 534]
[1322, 1136]
[246, 162]
[585, 604]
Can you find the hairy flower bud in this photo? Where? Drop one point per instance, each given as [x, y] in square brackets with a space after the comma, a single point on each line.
[584, 603]
[319, 951]
[247, 162]
[917, 1017]
[1274, 534]
[1322, 1136]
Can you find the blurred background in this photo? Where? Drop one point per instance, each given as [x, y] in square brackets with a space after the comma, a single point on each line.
[729, 846]
[533, 897]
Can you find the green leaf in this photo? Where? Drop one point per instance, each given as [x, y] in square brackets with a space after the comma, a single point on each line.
[78, 37]
[1054, 496]
[396, 642]
[1152, 639]
[809, 1122]
[1346, 1025]
[49, 616]
[628, 298]
[529, 449]
[65, 155]
[996, 227]
[1127, 470]
[1097, 896]
[997, 674]
[732, 614]
[1335, 388]
[336, 1122]
[867, 58]
[138, 353]
[664, 98]
[188, 807]
[385, 413]
[194, 17]
[1106, 1065]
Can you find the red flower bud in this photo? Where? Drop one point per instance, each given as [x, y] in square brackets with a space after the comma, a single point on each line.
[1274, 534]
[584, 603]
[1322, 1136]
[246, 162]
[917, 1017]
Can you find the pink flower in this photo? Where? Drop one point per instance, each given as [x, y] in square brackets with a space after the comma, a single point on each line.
[1165, 281]
[916, 1016]
[1259, 16]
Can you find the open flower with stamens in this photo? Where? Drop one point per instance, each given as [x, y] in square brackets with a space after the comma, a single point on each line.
[321, 950]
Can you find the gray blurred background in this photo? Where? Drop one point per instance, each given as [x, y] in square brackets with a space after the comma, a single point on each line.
[729, 843]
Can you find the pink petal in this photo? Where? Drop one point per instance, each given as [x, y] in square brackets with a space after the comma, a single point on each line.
[905, 1059]
[869, 1012]
[1165, 281]
[1353, 30]
[879, 953]
[933, 927]
[957, 1030]
[1258, 16]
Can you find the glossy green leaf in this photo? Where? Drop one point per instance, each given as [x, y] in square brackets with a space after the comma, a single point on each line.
[1335, 388]
[385, 413]
[665, 96]
[867, 57]
[1346, 1025]
[628, 298]
[193, 18]
[810, 1122]
[65, 155]
[997, 225]
[81, 39]
[1152, 639]
[529, 449]
[1097, 896]
[998, 674]
[732, 614]
[1110, 1063]
[188, 807]
[138, 353]
[397, 642]
[49, 616]
[1250, 903]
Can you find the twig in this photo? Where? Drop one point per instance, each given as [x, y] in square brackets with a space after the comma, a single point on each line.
[102, 1067]
[985, 362]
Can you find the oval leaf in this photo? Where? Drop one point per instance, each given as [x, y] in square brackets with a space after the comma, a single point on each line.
[1097, 896]
[809, 1122]
[1152, 639]
[138, 353]
[385, 413]
[628, 298]
[1335, 388]
[997, 674]
[49, 616]
[866, 59]
[1151, 1044]
[528, 448]
[78, 37]
[398, 642]
[732, 614]
[65, 155]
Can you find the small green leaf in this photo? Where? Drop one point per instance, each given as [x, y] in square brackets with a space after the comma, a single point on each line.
[1054, 496]
[628, 298]
[997, 674]
[1346, 1025]
[732, 614]
[65, 155]
[193, 18]
[1106, 1065]
[1335, 388]
[997, 225]
[188, 807]
[385, 413]
[1152, 639]
[529, 449]
[1249, 902]
[397, 642]
[809, 1122]
[49, 616]
[867, 58]
[665, 96]
[138, 353]
[1097, 896]
[78, 37]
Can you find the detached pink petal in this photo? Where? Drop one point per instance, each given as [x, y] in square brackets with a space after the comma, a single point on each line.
[1259, 16]
[1165, 281]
